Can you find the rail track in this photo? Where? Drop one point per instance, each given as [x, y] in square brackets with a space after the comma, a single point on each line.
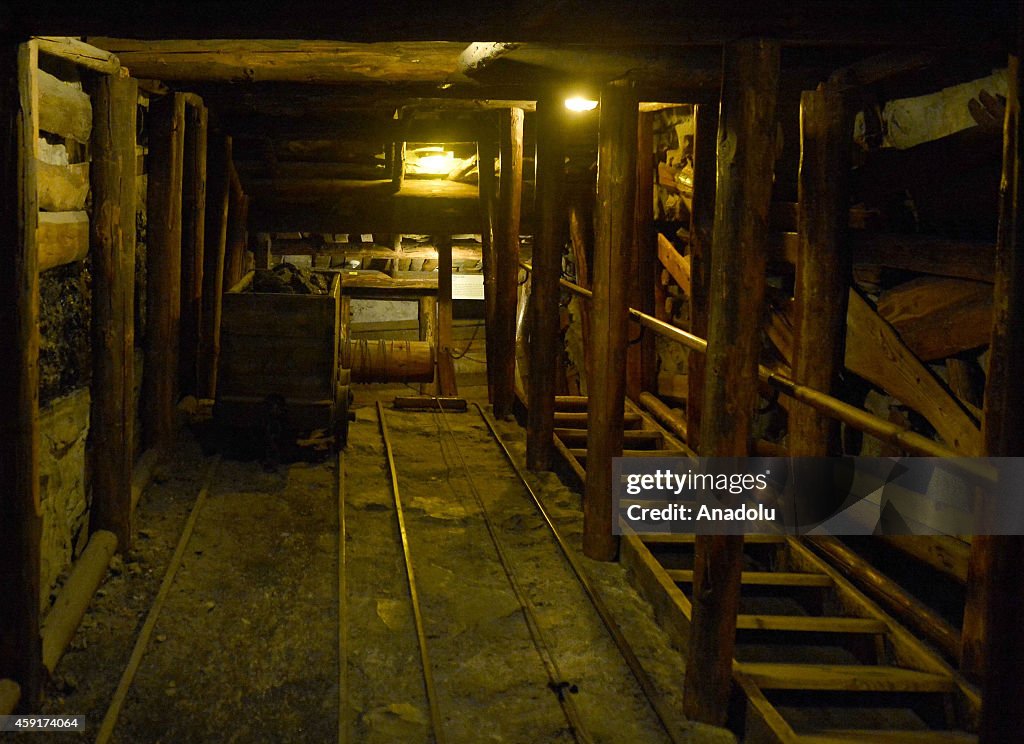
[541, 655]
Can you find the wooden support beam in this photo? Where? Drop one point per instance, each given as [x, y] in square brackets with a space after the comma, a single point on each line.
[78, 52]
[215, 242]
[20, 512]
[445, 363]
[427, 309]
[606, 386]
[545, 338]
[823, 265]
[237, 236]
[746, 147]
[163, 269]
[506, 238]
[641, 357]
[487, 153]
[578, 240]
[193, 244]
[992, 641]
[64, 109]
[112, 417]
[702, 217]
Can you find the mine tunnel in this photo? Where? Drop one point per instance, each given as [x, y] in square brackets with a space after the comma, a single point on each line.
[653, 375]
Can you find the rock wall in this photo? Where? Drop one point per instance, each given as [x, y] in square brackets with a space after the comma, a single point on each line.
[63, 485]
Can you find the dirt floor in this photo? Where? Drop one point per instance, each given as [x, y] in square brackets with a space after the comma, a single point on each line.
[247, 645]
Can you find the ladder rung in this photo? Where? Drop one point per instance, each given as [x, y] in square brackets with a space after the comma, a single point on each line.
[852, 677]
[811, 624]
[764, 578]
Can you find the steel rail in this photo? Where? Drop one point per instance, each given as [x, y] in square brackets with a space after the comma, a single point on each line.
[618, 637]
[437, 723]
[556, 680]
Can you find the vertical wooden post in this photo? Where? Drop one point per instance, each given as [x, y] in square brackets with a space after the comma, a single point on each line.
[262, 251]
[193, 242]
[746, 133]
[163, 268]
[992, 641]
[613, 225]
[445, 363]
[112, 421]
[428, 332]
[237, 237]
[397, 165]
[642, 359]
[486, 152]
[549, 221]
[213, 260]
[506, 240]
[702, 218]
[823, 264]
[20, 514]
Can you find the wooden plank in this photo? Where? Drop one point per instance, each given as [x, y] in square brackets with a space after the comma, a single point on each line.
[634, 437]
[581, 420]
[63, 237]
[112, 416]
[938, 317]
[62, 188]
[193, 245]
[215, 246]
[764, 578]
[506, 238]
[843, 677]
[948, 555]
[677, 266]
[747, 130]
[78, 52]
[582, 453]
[163, 270]
[806, 624]
[875, 352]
[544, 320]
[64, 109]
[823, 265]
[20, 512]
[689, 539]
[606, 385]
[927, 254]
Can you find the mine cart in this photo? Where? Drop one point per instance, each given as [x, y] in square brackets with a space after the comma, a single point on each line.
[279, 359]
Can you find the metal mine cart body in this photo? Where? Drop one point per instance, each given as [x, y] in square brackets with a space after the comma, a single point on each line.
[280, 353]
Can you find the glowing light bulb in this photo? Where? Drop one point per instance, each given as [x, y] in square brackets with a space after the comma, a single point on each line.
[579, 103]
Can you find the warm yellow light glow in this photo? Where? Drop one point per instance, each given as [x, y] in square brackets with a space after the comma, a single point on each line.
[439, 164]
[579, 103]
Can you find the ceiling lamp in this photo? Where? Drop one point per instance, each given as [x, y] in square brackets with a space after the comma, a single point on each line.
[579, 104]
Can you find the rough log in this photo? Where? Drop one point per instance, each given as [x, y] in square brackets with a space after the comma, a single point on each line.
[62, 188]
[963, 259]
[20, 513]
[487, 153]
[63, 238]
[545, 341]
[64, 109]
[506, 238]
[193, 243]
[939, 317]
[163, 269]
[237, 235]
[112, 418]
[64, 617]
[445, 363]
[614, 213]
[80, 53]
[676, 265]
[746, 145]
[992, 642]
[427, 317]
[823, 265]
[702, 217]
[641, 358]
[215, 241]
[386, 360]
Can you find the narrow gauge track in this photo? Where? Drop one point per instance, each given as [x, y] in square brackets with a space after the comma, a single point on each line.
[540, 651]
